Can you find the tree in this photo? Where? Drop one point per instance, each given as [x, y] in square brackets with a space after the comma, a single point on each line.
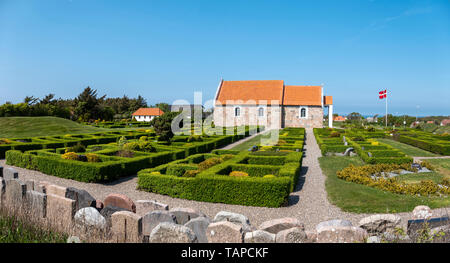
[163, 106]
[87, 105]
[163, 126]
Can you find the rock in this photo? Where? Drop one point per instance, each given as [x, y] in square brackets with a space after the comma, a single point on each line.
[99, 205]
[89, 217]
[107, 212]
[234, 218]
[73, 239]
[224, 232]
[292, 235]
[172, 233]
[30, 184]
[402, 172]
[126, 227]
[83, 198]
[276, 225]
[199, 225]
[14, 196]
[36, 204]
[348, 151]
[394, 238]
[56, 190]
[259, 236]
[441, 234]
[422, 212]
[311, 236]
[341, 234]
[60, 212]
[10, 173]
[145, 206]
[120, 200]
[424, 170]
[373, 239]
[415, 227]
[334, 222]
[377, 224]
[154, 218]
[183, 215]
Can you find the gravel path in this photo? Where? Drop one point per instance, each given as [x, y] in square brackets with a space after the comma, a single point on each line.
[308, 202]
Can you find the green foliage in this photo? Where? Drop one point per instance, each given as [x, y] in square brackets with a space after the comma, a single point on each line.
[163, 126]
[78, 148]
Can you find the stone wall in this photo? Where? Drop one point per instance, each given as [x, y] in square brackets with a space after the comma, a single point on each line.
[292, 117]
[119, 219]
[224, 116]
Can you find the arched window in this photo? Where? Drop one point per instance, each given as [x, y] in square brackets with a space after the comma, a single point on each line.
[261, 112]
[237, 111]
[303, 113]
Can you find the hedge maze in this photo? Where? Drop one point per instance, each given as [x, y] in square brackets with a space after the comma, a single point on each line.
[106, 156]
[363, 142]
[435, 143]
[254, 178]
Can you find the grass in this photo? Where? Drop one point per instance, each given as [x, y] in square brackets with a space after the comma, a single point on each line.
[442, 166]
[253, 141]
[408, 149]
[20, 127]
[13, 230]
[356, 198]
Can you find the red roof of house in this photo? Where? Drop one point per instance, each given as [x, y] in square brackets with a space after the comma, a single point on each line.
[339, 118]
[148, 112]
[303, 95]
[445, 121]
[251, 92]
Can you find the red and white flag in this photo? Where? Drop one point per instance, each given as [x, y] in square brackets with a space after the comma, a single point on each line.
[382, 94]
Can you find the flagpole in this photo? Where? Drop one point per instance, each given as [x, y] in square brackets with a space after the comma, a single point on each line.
[386, 109]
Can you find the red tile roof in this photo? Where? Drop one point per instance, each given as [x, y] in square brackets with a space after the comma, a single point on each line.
[303, 95]
[249, 92]
[148, 112]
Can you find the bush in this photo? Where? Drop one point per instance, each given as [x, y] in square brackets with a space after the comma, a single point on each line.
[93, 158]
[208, 163]
[78, 148]
[70, 156]
[143, 138]
[238, 173]
[335, 134]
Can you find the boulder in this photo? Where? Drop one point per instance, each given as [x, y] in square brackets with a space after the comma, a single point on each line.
[89, 217]
[120, 200]
[377, 224]
[224, 232]
[334, 222]
[259, 236]
[373, 239]
[422, 212]
[276, 225]
[82, 197]
[341, 234]
[154, 218]
[234, 218]
[183, 215]
[292, 235]
[145, 206]
[172, 233]
[107, 212]
[199, 225]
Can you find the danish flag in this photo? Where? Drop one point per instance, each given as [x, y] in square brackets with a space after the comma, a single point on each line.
[382, 94]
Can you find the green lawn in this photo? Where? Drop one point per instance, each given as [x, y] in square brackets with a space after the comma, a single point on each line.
[442, 165]
[352, 197]
[13, 230]
[14, 127]
[408, 149]
[253, 141]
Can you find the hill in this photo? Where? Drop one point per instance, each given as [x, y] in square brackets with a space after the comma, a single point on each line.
[15, 127]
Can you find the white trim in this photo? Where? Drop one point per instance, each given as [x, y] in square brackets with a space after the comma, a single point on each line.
[300, 112]
[234, 111]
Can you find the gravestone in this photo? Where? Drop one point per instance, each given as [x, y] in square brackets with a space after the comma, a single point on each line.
[145, 206]
[1, 171]
[172, 233]
[10, 173]
[198, 226]
[276, 225]
[183, 215]
[60, 212]
[120, 200]
[15, 191]
[126, 227]
[153, 218]
[416, 225]
[56, 190]
[224, 232]
[36, 204]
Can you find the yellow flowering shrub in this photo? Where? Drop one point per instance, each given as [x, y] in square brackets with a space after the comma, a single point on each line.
[93, 158]
[70, 156]
[238, 174]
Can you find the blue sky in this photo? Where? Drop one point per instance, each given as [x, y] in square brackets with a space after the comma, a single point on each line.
[166, 50]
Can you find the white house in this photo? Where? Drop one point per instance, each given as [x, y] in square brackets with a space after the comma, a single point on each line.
[147, 114]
